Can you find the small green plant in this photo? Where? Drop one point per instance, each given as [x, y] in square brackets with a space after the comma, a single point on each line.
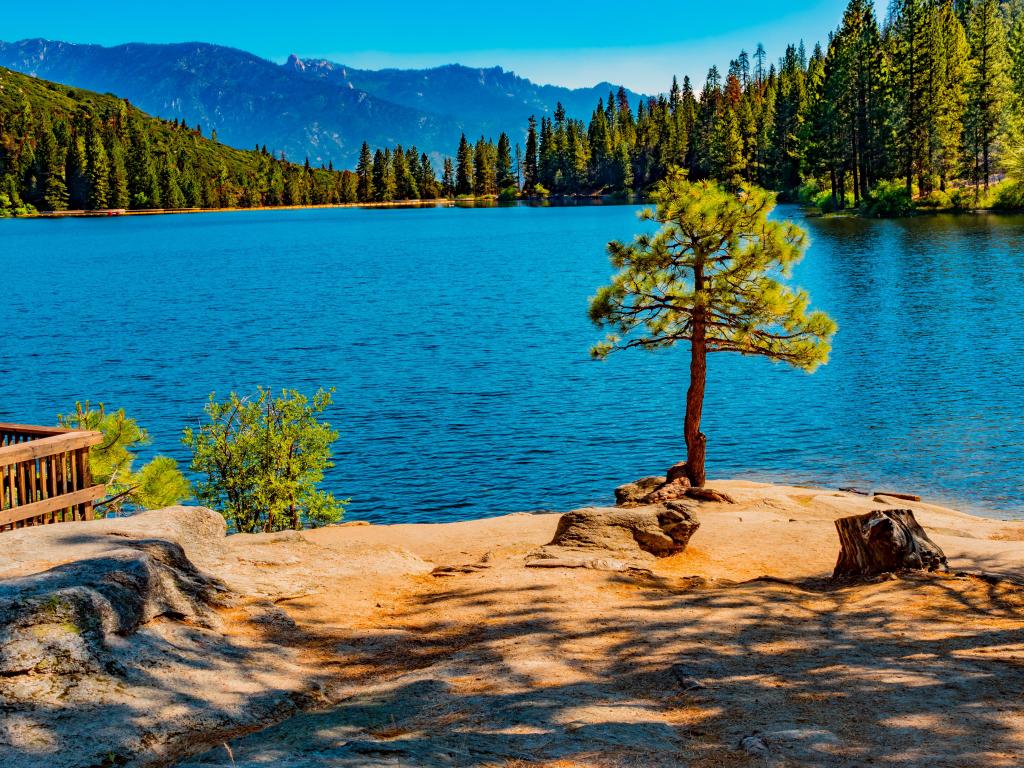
[541, 191]
[509, 194]
[263, 458]
[157, 484]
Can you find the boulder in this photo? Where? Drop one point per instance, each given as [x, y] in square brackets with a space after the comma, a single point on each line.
[634, 493]
[660, 530]
[62, 620]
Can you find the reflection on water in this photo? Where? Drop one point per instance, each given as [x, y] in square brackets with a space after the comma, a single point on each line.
[458, 338]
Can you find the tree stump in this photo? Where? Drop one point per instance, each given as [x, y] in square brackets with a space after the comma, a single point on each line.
[884, 541]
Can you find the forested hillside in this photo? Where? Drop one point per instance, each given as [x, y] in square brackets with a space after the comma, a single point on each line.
[305, 108]
[923, 104]
[65, 148]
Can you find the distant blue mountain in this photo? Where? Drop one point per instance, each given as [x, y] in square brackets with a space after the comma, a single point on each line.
[305, 108]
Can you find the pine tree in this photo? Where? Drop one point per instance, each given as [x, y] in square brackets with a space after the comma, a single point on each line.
[464, 168]
[76, 174]
[910, 60]
[364, 174]
[506, 178]
[53, 191]
[530, 169]
[118, 186]
[710, 278]
[986, 86]
[448, 179]
[97, 170]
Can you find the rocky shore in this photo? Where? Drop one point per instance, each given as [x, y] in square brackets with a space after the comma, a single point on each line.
[673, 631]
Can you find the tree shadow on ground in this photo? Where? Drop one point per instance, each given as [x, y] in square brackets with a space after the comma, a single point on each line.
[621, 670]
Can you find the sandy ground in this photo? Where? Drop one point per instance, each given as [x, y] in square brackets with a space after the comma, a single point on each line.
[737, 652]
[741, 635]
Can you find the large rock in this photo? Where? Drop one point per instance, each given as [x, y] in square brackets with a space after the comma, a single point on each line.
[660, 531]
[115, 577]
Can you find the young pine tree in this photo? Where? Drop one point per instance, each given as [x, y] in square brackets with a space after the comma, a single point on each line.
[710, 277]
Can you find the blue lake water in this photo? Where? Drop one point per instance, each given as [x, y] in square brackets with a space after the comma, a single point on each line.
[457, 340]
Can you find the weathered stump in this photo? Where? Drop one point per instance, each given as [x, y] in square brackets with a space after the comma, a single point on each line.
[884, 541]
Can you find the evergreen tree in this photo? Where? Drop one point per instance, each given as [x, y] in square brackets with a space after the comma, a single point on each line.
[52, 189]
[464, 168]
[97, 170]
[118, 186]
[710, 278]
[530, 168]
[448, 179]
[364, 174]
[506, 178]
[986, 86]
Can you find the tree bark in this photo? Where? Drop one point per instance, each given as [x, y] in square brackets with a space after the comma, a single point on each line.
[884, 541]
[696, 441]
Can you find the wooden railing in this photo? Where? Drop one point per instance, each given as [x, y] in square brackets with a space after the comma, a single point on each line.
[44, 475]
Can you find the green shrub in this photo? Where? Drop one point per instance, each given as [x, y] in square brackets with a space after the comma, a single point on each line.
[541, 191]
[935, 200]
[262, 460]
[889, 199]
[808, 192]
[963, 199]
[1006, 196]
[824, 202]
[509, 194]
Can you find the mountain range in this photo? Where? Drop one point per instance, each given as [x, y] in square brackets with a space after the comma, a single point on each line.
[305, 107]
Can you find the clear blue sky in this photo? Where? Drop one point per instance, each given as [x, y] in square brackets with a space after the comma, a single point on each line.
[641, 44]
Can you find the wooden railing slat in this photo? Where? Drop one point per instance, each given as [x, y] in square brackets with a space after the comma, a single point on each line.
[38, 508]
[48, 446]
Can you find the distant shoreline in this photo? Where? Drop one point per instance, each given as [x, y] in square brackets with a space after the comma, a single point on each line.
[419, 203]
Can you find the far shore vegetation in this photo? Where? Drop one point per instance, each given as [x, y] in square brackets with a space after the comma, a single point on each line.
[920, 111]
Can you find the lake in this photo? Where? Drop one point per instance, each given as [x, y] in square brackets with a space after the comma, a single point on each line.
[457, 339]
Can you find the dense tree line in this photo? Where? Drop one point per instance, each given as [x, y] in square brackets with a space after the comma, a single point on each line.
[62, 148]
[930, 96]
[921, 104]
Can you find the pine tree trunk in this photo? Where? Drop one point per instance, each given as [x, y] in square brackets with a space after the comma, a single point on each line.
[696, 441]
[884, 541]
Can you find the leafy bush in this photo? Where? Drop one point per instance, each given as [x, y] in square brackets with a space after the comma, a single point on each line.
[1006, 196]
[889, 199]
[824, 202]
[541, 191]
[808, 192]
[158, 484]
[509, 194]
[263, 459]
[963, 199]
[935, 200]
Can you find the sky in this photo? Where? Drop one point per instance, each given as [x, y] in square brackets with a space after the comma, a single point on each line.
[640, 45]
